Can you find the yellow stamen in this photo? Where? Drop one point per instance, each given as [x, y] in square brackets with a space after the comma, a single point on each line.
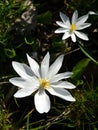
[44, 83]
[72, 27]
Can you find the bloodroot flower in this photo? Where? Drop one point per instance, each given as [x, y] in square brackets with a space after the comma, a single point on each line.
[73, 29]
[39, 79]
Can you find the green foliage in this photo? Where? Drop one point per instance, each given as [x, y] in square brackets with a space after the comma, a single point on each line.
[10, 53]
[10, 10]
[27, 123]
[87, 53]
[79, 5]
[29, 43]
[78, 70]
[85, 109]
[20, 114]
[45, 18]
[5, 123]
[58, 45]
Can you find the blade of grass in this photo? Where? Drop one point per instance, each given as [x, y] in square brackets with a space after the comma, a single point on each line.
[27, 125]
[87, 53]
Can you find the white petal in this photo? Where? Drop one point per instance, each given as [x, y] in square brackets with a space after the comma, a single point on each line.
[81, 35]
[62, 93]
[91, 13]
[54, 68]
[73, 37]
[24, 92]
[22, 83]
[45, 65]
[74, 17]
[66, 35]
[84, 25]
[62, 24]
[17, 81]
[60, 30]
[65, 19]
[60, 76]
[63, 84]
[68, 23]
[34, 66]
[42, 102]
[22, 69]
[82, 19]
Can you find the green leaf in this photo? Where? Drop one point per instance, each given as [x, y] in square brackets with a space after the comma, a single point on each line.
[45, 18]
[27, 42]
[78, 69]
[79, 82]
[16, 102]
[87, 53]
[10, 53]
[27, 126]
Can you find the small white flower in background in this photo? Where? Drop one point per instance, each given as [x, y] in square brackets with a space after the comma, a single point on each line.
[72, 29]
[92, 13]
[37, 79]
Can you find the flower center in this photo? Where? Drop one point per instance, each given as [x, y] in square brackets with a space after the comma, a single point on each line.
[44, 83]
[72, 27]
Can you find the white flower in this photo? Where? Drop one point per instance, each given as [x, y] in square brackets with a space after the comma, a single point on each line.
[92, 13]
[71, 29]
[37, 79]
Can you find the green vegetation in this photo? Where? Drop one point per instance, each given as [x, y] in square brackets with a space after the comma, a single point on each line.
[18, 37]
